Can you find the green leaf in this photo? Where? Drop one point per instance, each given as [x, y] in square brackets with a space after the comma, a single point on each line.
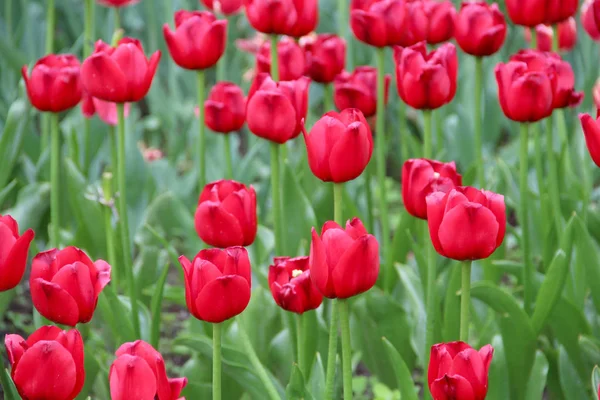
[572, 384]
[8, 386]
[6, 191]
[296, 389]
[596, 379]
[11, 139]
[203, 345]
[414, 290]
[403, 375]
[587, 250]
[539, 374]
[498, 374]
[317, 377]
[115, 314]
[92, 368]
[550, 291]
[31, 205]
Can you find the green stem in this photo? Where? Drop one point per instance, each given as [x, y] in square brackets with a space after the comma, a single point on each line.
[327, 98]
[125, 240]
[117, 19]
[346, 348]
[380, 161]
[524, 217]
[216, 377]
[274, 58]
[431, 295]
[276, 192]
[227, 148]
[533, 38]
[200, 85]
[8, 19]
[465, 301]
[300, 342]
[561, 124]
[538, 161]
[478, 120]
[404, 134]
[221, 65]
[88, 39]
[427, 135]
[50, 25]
[114, 155]
[107, 191]
[553, 177]
[331, 351]
[369, 195]
[555, 39]
[55, 180]
[338, 203]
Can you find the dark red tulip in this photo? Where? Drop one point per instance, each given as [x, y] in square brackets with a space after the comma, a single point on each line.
[307, 12]
[271, 16]
[591, 130]
[466, 223]
[560, 10]
[534, 12]
[359, 90]
[54, 84]
[480, 28]
[225, 109]
[525, 95]
[117, 3]
[325, 57]
[567, 35]
[13, 252]
[217, 283]
[456, 371]
[291, 286]
[289, 55]
[562, 77]
[226, 214]
[272, 105]
[105, 110]
[65, 285]
[421, 177]
[119, 74]
[344, 263]
[426, 81]
[428, 20]
[339, 146]
[378, 23]
[198, 41]
[139, 373]
[227, 7]
[590, 18]
[48, 365]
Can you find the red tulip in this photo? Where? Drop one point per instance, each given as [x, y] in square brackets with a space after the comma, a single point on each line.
[596, 94]
[289, 55]
[291, 286]
[227, 7]
[65, 285]
[534, 12]
[106, 110]
[591, 130]
[307, 12]
[590, 18]
[54, 84]
[271, 16]
[480, 28]
[226, 214]
[456, 371]
[378, 23]
[48, 365]
[359, 90]
[13, 252]
[560, 10]
[120, 74]
[466, 223]
[339, 146]
[325, 57]
[217, 283]
[225, 109]
[272, 105]
[344, 263]
[139, 373]
[428, 20]
[562, 77]
[117, 3]
[567, 35]
[421, 177]
[426, 81]
[525, 95]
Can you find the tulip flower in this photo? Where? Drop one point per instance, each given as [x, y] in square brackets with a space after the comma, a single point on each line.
[217, 283]
[290, 59]
[428, 20]
[106, 111]
[591, 130]
[271, 16]
[225, 109]
[198, 41]
[48, 365]
[458, 371]
[117, 3]
[291, 285]
[65, 285]
[139, 373]
[534, 12]
[466, 223]
[226, 7]
[226, 214]
[307, 12]
[378, 23]
[421, 177]
[596, 94]
[480, 28]
[13, 252]
[325, 57]
[359, 90]
[590, 18]
[272, 105]
[567, 35]
[339, 146]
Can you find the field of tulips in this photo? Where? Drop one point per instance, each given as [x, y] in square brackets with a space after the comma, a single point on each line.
[300, 199]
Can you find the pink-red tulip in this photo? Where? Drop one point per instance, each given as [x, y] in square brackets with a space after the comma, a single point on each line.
[378, 23]
[227, 7]
[480, 28]
[307, 12]
[567, 35]
[591, 130]
[534, 12]
[105, 110]
[291, 286]
[13, 252]
[271, 16]
[117, 3]
[590, 18]
[225, 109]
[325, 57]
[289, 56]
[596, 94]
[428, 20]
[359, 90]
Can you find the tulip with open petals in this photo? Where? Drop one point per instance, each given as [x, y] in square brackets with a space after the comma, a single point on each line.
[480, 28]
[13, 252]
[378, 23]
[358, 90]
[289, 55]
[291, 285]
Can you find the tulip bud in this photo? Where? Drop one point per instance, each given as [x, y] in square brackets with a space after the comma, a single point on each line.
[466, 223]
[590, 18]
[291, 286]
[591, 130]
[307, 12]
[379, 23]
[48, 365]
[225, 109]
[13, 252]
[65, 285]
[325, 57]
[426, 81]
[269, 16]
[139, 373]
[289, 55]
[480, 28]
[198, 41]
[344, 263]
[456, 371]
[217, 283]
[119, 74]
[226, 7]
[421, 177]
[226, 214]
[567, 35]
[54, 84]
[359, 90]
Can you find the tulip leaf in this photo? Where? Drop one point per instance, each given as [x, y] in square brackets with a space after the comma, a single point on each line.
[588, 252]
[539, 375]
[11, 140]
[596, 379]
[296, 388]
[8, 386]
[4, 192]
[571, 383]
[403, 374]
[590, 348]
[498, 373]
[317, 376]
[550, 291]
[31, 205]
[115, 315]
[156, 307]
[414, 291]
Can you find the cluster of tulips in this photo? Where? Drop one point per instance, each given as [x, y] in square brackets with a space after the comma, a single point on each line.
[464, 223]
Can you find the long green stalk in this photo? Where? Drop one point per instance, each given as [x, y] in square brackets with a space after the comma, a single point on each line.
[553, 177]
[55, 189]
[222, 64]
[465, 301]
[327, 98]
[524, 217]
[404, 134]
[200, 86]
[300, 342]
[50, 27]
[478, 118]
[107, 191]
[276, 198]
[216, 373]
[227, 149]
[274, 58]
[346, 347]
[88, 38]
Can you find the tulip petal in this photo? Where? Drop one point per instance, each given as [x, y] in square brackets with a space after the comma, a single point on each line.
[223, 298]
[350, 154]
[591, 130]
[47, 332]
[76, 281]
[103, 276]
[355, 228]
[102, 78]
[176, 386]
[14, 348]
[336, 242]
[452, 388]
[269, 115]
[217, 227]
[358, 269]
[436, 205]
[131, 379]
[238, 263]
[54, 303]
[469, 365]
[73, 342]
[318, 266]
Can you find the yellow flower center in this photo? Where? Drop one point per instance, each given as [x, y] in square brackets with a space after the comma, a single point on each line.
[296, 273]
